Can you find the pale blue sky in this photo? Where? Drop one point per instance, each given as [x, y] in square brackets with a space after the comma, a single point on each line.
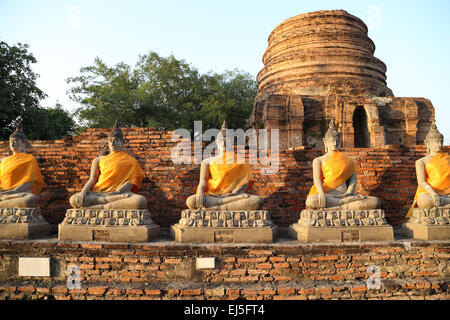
[411, 37]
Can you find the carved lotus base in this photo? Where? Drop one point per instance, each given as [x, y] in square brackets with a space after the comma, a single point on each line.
[342, 226]
[224, 226]
[429, 224]
[22, 224]
[124, 225]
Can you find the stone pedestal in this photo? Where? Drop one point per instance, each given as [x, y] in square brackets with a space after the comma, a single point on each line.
[224, 226]
[341, 226]
[108, 225]
[429, 224]
[22, 224]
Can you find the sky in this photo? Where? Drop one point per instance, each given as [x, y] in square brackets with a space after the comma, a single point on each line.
[411, 38]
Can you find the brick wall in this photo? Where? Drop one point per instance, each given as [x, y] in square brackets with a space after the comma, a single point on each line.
[409, 269]
[387, 172]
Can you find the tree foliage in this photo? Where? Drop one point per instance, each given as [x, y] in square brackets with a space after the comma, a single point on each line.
[161, 92]
[20, 98]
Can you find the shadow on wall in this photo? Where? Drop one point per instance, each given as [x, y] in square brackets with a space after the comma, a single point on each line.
[394, 182]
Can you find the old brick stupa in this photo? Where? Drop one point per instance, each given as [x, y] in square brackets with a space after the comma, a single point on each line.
[321, 66]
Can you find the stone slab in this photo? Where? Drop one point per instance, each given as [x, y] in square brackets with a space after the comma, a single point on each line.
[427, 232]
[187, 234]
[108, 233]
[205, 263]
[24, 231]
[34, 267]
[341, 234]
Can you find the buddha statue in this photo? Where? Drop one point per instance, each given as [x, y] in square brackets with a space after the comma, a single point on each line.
[20, 178]
[433, 174]
[223, 185]
[335, 179]
[114, 180]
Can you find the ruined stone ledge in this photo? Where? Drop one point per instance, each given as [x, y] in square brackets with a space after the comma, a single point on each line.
[105, 217]
[433, 216]
[20, 215]
[342, 218]
[22, 224]
[225, 219]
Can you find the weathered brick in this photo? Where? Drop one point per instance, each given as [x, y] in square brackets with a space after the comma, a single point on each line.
[97, 290]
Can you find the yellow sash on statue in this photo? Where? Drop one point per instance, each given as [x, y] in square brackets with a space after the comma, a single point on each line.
[224, 178]
[437, 175]
[335, 171]
[116, 169]
[18, 169]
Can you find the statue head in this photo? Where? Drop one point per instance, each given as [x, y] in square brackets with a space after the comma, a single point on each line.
[115, 138]
[434, 139]
[18, 140]
[332, 138]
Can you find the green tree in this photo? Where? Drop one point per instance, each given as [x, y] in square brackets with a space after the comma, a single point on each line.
[19, 95]
[20, 98]
[52, 123]
[161, 92]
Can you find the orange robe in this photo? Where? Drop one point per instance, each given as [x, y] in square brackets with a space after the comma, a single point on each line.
[335, 171]
[224, 177]
[437, 175]
[116, 169]
[18, 169]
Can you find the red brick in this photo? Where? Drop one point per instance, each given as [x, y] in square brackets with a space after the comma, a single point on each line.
[172, 260]
[136, 292]
[323, 290]
[267, 292]
[114, 292]
[173, 291]
[8, 288]
[60, 289]
[264, 266]
[277, 259]
[358, 289]
[97, 290]
[380, 257]
[423, 285]
[91, 246]
[232, 292]
[153, 292]
[191, 292]
[281, 265]
[260, 253]
[300, 297]
[252, 260]
[306, 291]
[327, 258]
[28, 289]
[285, 291]
[43, 290]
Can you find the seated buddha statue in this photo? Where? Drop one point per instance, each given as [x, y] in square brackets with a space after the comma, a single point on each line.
[433, 174]
[114, 180]
[223, 183]
[335, 179]
[20, 178]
